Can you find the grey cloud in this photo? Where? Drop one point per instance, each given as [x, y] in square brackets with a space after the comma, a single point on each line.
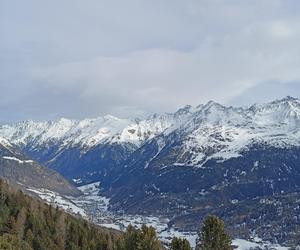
[82, 59]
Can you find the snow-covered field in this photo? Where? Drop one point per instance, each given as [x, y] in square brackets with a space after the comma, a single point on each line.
[95, 208]
[57, 200]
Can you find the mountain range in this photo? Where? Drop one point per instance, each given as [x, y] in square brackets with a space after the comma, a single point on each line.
[209, 131]
[241, 163]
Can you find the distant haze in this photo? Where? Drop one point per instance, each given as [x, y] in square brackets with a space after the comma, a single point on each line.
[80, 59]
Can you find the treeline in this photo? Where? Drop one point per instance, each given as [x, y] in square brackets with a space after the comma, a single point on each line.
[27, 223]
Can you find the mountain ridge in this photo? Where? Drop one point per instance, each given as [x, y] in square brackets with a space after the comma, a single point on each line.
[206, 131]
[64, 128]
[18, 169]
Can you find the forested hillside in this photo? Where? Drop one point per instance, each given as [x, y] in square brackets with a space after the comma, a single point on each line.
[26, 223]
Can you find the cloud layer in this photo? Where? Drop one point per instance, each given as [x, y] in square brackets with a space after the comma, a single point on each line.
[82, 59]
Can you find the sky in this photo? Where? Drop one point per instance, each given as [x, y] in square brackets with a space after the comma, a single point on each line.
[78, 59]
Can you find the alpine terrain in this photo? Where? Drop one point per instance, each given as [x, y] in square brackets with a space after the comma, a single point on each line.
[240, 163]
[19, 170]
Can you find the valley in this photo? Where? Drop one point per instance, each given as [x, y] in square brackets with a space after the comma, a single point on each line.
[95, 208]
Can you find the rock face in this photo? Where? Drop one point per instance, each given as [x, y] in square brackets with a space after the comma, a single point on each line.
[21, 171]
[239, 163]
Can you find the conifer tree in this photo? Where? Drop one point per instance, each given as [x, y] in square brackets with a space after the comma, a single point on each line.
[148, 239]
[29, 237]
[213, 236]
[139, 239]
[129, 240]
[180, 244]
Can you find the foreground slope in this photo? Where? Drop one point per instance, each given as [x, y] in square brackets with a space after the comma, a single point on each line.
[26, 223]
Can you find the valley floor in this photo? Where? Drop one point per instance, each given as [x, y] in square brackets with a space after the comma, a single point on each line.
[93, 207]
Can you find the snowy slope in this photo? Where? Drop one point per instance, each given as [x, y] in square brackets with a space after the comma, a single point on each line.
[87, 132]
[216, 131]
[4, 142]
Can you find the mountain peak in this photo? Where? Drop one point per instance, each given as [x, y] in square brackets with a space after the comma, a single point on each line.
[212, 108]
[212, 104]
[286, 99]
[185, 110]
[111, 117]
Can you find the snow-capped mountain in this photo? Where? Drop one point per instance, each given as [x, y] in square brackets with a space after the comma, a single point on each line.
[219, 132]
[189, 137]
[90, 149]
[85, 133]
[204, 132]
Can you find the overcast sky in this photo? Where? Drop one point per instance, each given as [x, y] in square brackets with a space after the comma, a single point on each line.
[84, 58]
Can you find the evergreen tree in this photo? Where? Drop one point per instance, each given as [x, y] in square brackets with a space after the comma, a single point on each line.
[139, 239]
[29, 237]
[180, 244]
[148, 239]
[213, 236]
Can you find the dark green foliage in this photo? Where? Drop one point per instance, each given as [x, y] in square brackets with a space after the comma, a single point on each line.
[148, 239]
[139, 239]
[130, 239]
[26, 223]
[180, 244]
[213, 236]
[13, 242]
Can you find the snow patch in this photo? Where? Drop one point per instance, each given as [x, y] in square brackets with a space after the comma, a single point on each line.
[17, 160]
[249, 245]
